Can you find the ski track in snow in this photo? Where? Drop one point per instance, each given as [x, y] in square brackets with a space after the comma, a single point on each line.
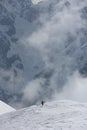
[58, 115]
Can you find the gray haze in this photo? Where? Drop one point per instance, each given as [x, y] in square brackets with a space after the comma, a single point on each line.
[61, 42]
[49, 48]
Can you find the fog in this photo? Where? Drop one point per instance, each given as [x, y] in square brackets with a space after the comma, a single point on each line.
[75, 89]
[61, 43]
[58, 45]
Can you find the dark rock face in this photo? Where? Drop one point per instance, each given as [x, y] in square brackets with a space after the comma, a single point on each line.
[7, 20]
[12, 66]
[5, 17]
[84, 12]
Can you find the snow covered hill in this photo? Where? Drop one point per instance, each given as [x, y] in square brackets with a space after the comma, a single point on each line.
[58, 115]
[4, 108]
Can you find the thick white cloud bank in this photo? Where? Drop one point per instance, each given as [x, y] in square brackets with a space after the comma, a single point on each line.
[60, 43]
[36, 1]
[75, 89]
[53, 50]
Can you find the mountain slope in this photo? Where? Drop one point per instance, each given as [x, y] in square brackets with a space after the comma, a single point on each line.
[58, 115]
[4, 108]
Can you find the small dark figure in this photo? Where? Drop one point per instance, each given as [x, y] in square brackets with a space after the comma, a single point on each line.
[42, 103]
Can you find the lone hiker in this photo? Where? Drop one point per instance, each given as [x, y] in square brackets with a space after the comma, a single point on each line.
[42, 103]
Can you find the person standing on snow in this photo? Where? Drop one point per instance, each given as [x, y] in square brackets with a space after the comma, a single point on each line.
[42, 103]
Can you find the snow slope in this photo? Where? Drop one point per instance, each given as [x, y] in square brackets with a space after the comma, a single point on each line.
[58, 115]
[4, 108]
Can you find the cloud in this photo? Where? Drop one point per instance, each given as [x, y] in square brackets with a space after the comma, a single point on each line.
[74, 89]
[52, 54]
[59, 43]
[36, 1]
[33, 90]
[53, 36]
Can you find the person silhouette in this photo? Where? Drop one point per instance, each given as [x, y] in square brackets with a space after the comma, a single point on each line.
[42, 102]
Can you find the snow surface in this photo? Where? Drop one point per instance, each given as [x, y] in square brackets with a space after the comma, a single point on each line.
[4, 108]
[58, 115]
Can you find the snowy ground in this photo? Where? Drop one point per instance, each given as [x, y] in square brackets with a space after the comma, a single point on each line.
[58, 115]
[4, 108]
